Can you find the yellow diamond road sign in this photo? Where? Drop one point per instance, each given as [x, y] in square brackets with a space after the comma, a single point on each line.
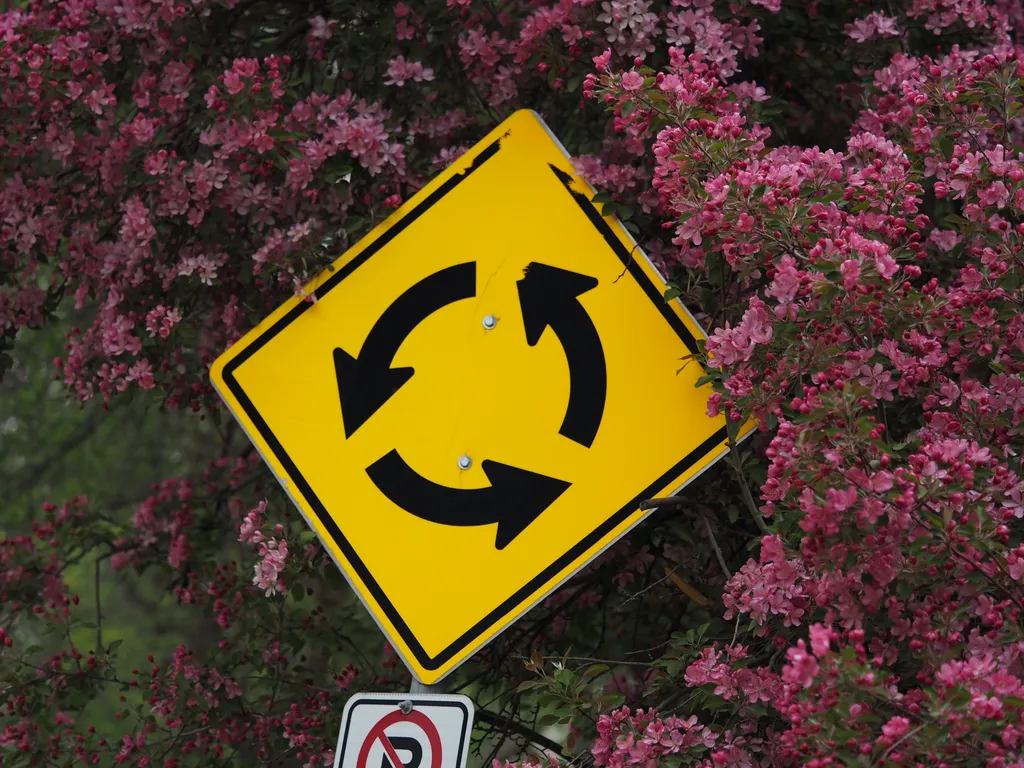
[485, 388]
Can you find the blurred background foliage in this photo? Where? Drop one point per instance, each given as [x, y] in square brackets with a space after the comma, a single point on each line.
[52, 448]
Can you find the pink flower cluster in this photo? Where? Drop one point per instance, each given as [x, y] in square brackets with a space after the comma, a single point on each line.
[728, 346]
[776, 585]
[751, 685]
[401, 71]
[873, 25]
[886, 349]
[625, 738]
[268, 570]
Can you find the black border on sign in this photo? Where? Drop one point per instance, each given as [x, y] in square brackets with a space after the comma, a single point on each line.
[416, 702]
[630, 264]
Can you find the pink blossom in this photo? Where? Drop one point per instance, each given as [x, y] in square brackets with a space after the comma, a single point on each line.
[850, 271]
[878, 380]
[631, 28]
[179, 551]
[987, 707]
[249, 532]
[995, 194]
[896, 727]
[401, 71]
[268, 569]
[820, 639]
[728, 345]
[632, 81]
[947, 240]
[886, 265]
[874, 24]
[320, 31]
[136, 226]
[801, 668]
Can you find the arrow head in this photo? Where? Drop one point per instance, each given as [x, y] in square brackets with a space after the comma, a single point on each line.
[364, 389]
[523, 495]
[544, 294]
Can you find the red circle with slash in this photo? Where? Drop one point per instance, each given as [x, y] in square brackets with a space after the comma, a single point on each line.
[377, 733]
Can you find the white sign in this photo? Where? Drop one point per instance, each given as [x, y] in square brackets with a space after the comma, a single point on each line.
[381, 730]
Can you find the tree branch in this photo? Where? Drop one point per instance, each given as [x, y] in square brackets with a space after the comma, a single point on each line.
[510, 724]
[714, 546]
[99, 610]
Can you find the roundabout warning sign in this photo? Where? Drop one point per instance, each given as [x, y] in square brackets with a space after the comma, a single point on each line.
[399, 731]
[476, 397]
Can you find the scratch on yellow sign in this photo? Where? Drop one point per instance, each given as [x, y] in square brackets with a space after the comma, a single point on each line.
[485, 388]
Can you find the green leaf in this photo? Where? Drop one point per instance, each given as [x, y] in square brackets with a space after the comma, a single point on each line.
[565, 676]
[672, 292]
[612, 700]
[957, 221]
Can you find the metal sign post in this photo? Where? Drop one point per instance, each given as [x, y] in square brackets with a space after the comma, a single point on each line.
[418, 688]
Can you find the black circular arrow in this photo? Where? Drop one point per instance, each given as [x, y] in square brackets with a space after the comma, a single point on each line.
[513, 500]
[366, 382]
[548, 297]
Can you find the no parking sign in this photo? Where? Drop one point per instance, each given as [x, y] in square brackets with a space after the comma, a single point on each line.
[384, 730]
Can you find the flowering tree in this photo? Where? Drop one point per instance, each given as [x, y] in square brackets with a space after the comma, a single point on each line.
[835, 188]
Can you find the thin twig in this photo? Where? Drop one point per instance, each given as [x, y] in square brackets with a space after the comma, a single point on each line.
[881, 759]
[649, 587]
[734, 461]
[500, 742]
[657, 647]
[589, 660]
[714, 546]
[751, 505]
[99, 611]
